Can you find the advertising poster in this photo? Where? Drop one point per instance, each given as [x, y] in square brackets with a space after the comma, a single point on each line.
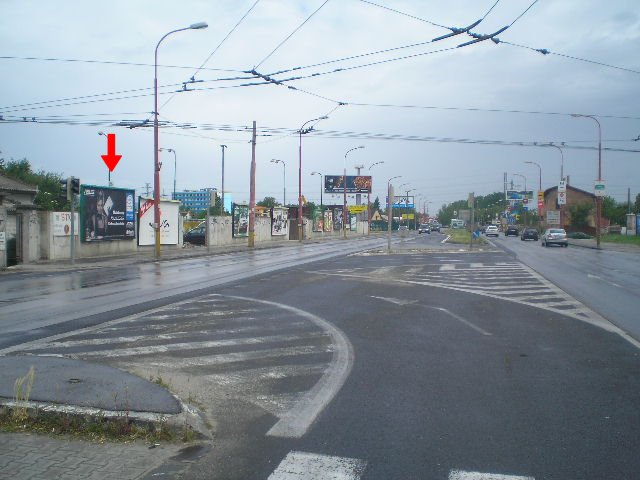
[106, 213]
[514, 196]
[353, 222]
[318, 221]
[328, 220]
[169, 218]
[279, 221]
[240, 220]
[403, 201]
[337, 219]
[355, 184]
[62, 224]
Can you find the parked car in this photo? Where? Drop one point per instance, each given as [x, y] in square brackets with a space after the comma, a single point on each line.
[554, 236]
[529, 234]
[195, 236]
[424, 228]
[491, 230]
[511, 230]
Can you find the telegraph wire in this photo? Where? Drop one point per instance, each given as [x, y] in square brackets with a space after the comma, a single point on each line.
[405, 14]
[489, 11]
[291, 35]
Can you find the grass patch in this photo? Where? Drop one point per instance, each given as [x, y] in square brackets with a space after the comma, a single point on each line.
[463, 237]
[120, 429]
[621, 239]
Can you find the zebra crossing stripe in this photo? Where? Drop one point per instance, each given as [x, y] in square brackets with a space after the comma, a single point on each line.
[311, 466]
[462, 475]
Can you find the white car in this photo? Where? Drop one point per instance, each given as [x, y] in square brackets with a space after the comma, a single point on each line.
[491, 230]
[555, 236]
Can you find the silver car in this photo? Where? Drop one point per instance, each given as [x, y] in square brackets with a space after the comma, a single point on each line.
[555, 236]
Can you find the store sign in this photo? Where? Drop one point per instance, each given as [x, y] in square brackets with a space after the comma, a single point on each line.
[599, 188]
[354, 209]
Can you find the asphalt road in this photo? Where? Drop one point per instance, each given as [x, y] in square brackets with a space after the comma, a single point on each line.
[606, 281]
[429, 363]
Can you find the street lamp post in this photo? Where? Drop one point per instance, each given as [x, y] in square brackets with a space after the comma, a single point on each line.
[321, 188]
[222, 185]
[598, 198]
[302, 131]
[345, 215]
[390, 211]
[175, 168]
[284, 179]
[369, 200]
[539, 184]
[108, 171]
[156, 159]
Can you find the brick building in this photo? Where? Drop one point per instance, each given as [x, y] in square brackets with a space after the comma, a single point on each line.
[575, 196]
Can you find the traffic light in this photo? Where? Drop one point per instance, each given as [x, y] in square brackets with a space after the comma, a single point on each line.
[75, 186]
[64, 187]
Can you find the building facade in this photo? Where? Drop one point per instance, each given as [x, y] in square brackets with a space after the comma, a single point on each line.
[196, 201]
[559, 215]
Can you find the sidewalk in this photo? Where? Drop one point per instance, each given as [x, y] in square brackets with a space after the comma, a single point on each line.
[609, 246]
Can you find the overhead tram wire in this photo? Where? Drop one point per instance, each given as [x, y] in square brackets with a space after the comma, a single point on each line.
[212, 53]
[523, 13]
[290, 35]
[405, 14]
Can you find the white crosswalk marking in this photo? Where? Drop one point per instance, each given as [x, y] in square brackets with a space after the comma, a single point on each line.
[311, 466]
[462, 475]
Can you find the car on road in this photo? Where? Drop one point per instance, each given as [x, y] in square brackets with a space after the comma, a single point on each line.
[491, 230]
[195, 236]
[529, 234]
[403, 229]
[435, 227]
[555, 236]
[424, 228]
[511, 230]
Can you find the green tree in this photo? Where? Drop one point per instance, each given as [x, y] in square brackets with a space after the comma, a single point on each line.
[375, 206]
[614, 211]
[579, 214]
[636, 206]
[268, 202]
[48, 196]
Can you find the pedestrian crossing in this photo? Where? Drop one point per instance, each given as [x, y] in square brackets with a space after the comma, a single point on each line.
[311, 466]
[210, 350]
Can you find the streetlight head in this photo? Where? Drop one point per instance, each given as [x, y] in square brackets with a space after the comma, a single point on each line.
[361, 146]
[576, 115]
[198, 26]
[101, 133]
[323, 117]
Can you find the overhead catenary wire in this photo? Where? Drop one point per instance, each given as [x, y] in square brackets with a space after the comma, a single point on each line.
[290, 35]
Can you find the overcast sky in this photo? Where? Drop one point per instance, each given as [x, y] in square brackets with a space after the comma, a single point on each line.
[484, 76]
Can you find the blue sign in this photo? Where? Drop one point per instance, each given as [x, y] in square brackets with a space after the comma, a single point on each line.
[637, 224]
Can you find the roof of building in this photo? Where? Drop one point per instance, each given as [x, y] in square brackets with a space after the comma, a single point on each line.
[8, 184]
[569, 187]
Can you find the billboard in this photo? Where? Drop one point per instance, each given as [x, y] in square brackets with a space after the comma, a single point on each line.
[355, 184]
[519, 196]
[106, 213]
[279, 221]
[337, 219]
[169, 218]
[402, 201]
[240, 220]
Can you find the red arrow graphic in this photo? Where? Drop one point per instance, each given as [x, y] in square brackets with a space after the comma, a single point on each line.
[111, 159]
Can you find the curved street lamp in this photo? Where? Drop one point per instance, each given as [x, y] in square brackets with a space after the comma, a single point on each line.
[345, 214]
[302, 131]
[156, 160]
[321, 188]
[598, 198]
[175, 168]
[284, 179]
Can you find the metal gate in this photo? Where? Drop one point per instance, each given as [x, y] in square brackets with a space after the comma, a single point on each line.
[13, 233]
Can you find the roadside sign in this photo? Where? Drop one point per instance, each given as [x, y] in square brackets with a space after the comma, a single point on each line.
[599, 188]
[357, 209]
[553, 217]
[562, 186]
[562, 198]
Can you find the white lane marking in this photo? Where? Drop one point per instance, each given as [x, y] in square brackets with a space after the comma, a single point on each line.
[172, 347]
[310, 466]
[460, 319]
[296, 422]
[448, 266]
[593, 276]
[397, 301]
[477, 265]
[462, 475]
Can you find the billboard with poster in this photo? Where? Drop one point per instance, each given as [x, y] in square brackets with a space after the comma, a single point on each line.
[106, 213]
[337, 219]
[328, 220]
[279, 221]
[355, 184]
[402, 201]
[240, 220]
[169, 218]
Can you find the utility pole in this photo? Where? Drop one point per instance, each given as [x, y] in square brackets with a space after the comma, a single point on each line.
[252, 191]
[389, 215]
